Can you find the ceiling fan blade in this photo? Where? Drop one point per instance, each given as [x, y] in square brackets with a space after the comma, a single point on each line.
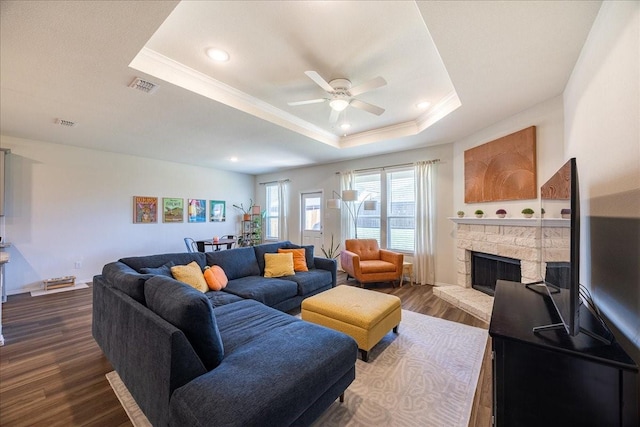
[319, 81]
[310, 101]
[333, 118]
[373, 109]
[367, 86]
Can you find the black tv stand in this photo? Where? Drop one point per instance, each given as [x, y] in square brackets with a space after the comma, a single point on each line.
[554, 379]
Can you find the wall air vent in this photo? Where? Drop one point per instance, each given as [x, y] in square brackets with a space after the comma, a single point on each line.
[143, 85]
[67, 123]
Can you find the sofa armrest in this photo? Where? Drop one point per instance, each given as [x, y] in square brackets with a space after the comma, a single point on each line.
[395, 258]
[350, 262]
[330, 265]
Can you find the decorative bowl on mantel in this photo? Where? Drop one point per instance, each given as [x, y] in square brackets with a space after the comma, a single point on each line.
[479, 213]
[460, 214]
[565, 213]
[501, 213]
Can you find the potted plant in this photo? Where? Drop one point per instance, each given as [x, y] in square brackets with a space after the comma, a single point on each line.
[479, 213]
[542, 212]
[527, 212]
[460, 214]
[246, 212]
[565, 213]
[332, 251]
[501, 213]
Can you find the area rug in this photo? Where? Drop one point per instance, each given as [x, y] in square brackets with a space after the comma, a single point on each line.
[424, 376]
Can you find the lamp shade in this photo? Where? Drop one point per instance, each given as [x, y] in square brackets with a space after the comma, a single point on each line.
[349, 195]
[333, 203]
[370, 205]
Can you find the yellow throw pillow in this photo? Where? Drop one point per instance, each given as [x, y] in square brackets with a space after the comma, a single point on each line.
[299, 260]
[215, 277]
[191, 275]
[278, 265]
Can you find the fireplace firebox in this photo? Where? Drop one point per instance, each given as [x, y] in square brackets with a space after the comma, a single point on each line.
[486, 269]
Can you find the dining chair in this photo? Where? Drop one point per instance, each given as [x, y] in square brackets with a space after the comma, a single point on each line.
[191, 244]
[230, 236]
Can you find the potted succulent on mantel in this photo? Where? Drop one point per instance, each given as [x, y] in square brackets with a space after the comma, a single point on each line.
[479, 213]
[460, 214]
[565, 213]
[527, 212]
[501, 213]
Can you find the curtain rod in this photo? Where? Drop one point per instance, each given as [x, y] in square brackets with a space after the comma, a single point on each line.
[273, 182]
[391, 166]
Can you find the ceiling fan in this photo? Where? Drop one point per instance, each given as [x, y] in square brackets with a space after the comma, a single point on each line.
[341, 95]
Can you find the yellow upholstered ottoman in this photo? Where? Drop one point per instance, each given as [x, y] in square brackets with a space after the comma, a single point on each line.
[365, 315]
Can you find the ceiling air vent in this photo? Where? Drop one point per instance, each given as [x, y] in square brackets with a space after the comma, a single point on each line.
[143, 85]
[67, 123]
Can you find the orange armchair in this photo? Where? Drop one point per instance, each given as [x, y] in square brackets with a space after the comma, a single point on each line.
[363, 260]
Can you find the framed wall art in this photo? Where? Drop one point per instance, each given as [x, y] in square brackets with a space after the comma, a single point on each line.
[503, 169]
[172, 209]
[217, 211]
[145, 210]
[197, 210]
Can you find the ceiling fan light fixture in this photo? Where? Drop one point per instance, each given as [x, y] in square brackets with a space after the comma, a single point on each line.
[217, 55]
[423, 105]
[339, 104]
[345, 126]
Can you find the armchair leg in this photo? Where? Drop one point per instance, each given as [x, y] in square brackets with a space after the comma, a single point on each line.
[342, 398]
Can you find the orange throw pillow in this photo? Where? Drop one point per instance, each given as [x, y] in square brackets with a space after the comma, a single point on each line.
[299, 260]
[215, 277]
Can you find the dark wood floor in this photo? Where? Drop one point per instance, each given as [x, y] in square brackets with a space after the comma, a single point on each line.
[52, 372]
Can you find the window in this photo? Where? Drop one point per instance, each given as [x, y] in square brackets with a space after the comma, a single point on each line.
[271, 216]
[392, 223]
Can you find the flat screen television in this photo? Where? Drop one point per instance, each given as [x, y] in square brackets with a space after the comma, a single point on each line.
[560, 245]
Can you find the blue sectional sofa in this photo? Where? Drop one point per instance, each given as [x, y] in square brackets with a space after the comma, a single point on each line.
[225, 358]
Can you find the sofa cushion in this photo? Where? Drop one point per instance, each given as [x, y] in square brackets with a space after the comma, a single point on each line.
[220, 298]
[236, 263]
[278, 265]
[190, 311]
[154, 261]
[163, 270]
[126, 279]
[279, 385]
[215, 277]
[269, 291]
[268, 248]
[191, 274]
[299, 260]
[308, 253]
[311, 281]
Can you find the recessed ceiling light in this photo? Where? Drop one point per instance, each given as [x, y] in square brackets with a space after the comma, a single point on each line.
[423, 105]
[345, 126]
[218, 55]
[233, 159]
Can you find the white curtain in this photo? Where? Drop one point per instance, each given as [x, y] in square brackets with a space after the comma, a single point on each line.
[283, 213]
[424, 259]
[346, 222]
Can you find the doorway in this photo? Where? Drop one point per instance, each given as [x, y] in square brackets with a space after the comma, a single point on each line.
[311, 218]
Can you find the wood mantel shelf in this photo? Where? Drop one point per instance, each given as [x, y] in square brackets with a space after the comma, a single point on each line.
[517, 222]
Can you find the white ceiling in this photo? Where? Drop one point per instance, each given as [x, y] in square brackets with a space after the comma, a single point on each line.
[479, 61]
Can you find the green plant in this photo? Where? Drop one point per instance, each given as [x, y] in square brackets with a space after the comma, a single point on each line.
[331, 252]
[460, 213]
[244, 210]
[479, 212]
[527, 211]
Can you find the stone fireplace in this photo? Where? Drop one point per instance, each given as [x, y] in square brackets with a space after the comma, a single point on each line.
[516, 238]
[511, 238]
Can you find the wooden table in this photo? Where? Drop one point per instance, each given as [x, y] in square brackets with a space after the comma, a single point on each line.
[202, 244]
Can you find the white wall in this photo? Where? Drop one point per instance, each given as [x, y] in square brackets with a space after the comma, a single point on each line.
[602, 122]
[67, 204]
[548, 119]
